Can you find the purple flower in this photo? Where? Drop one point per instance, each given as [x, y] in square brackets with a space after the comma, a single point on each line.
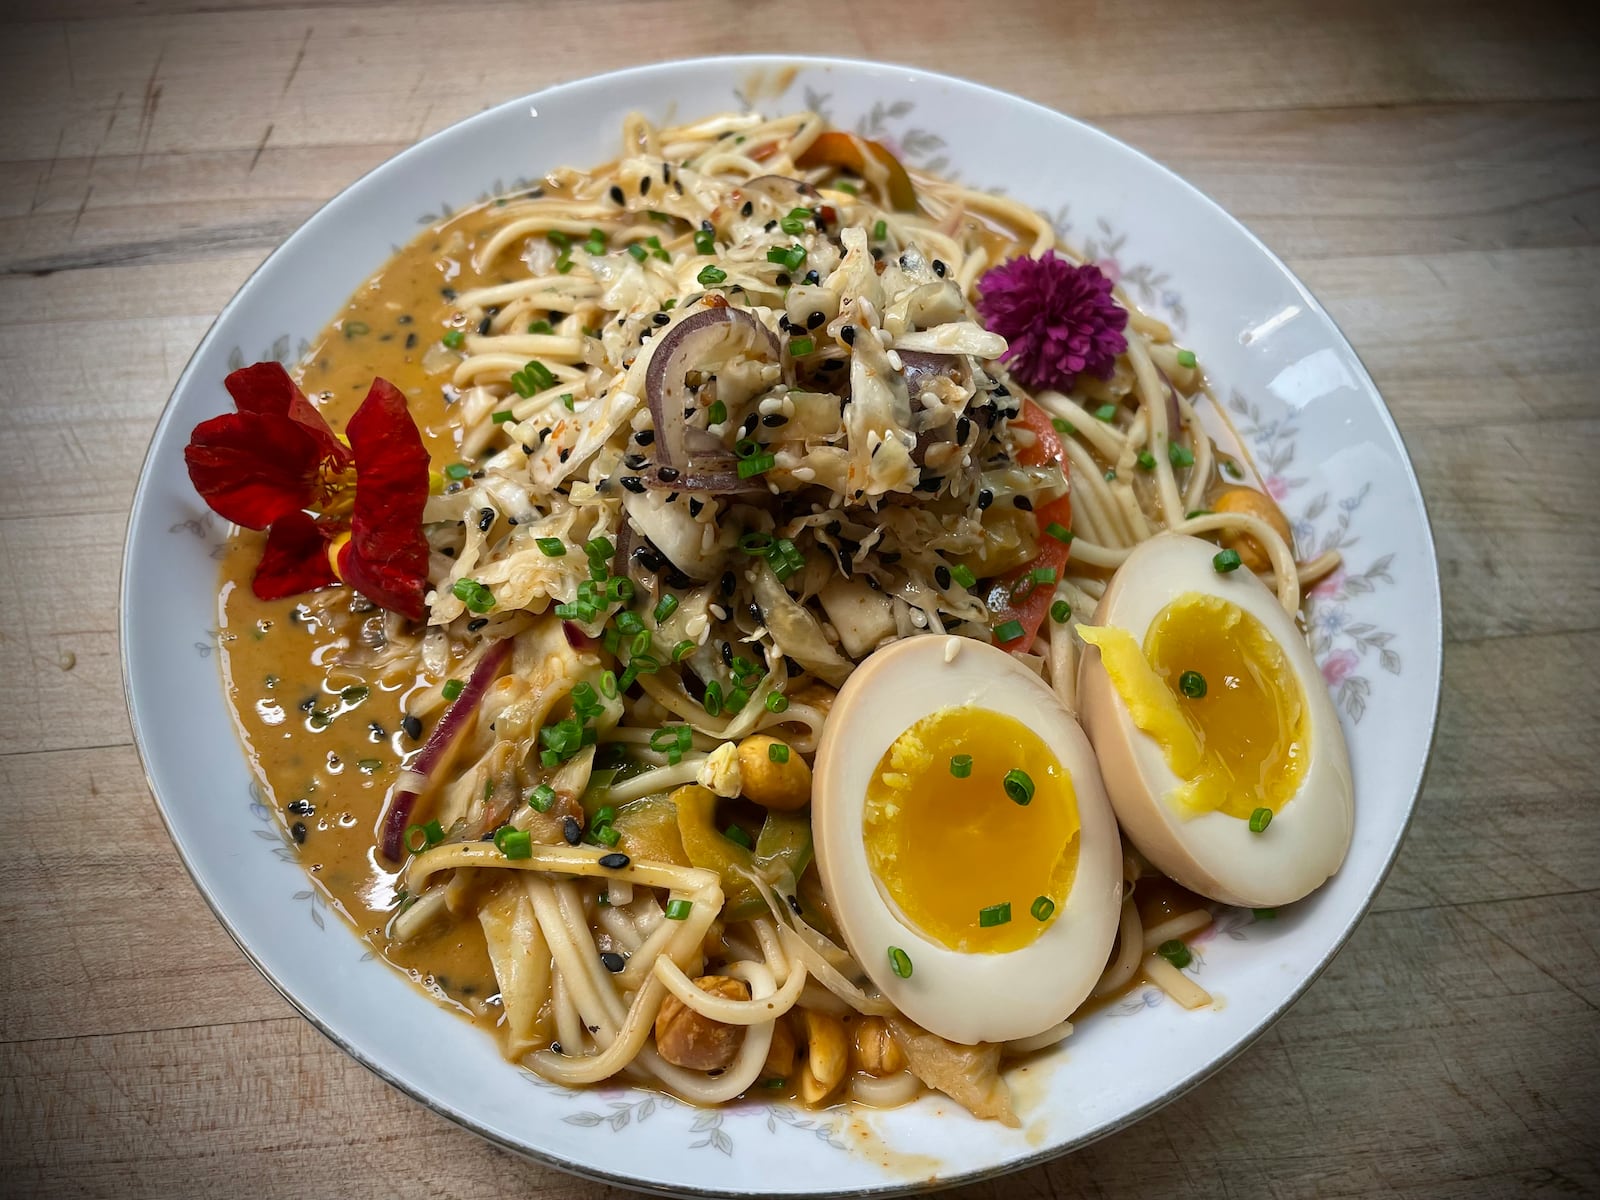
[1059, 318]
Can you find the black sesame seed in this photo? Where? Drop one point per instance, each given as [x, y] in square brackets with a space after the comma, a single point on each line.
[485, 519]
[661, 318]
[555, 1048]
[649, 558]
[848, 333]
[815, 319]
[298, 832]
[754, 610]
[667, 474]
[874, 584]
[566, 453]
[1023, 503]
[614, 862]
[877, 254]
[376, 731]
[769, 226]
[645, 436]
[783, 279]
[985, 498]
[748, 425]
[644, 185]
[309, 703]
[634, 484]
[301, 808]
[412, 726]
[613, 962]
[448, 552]
[727, 583]
[938, 268]
[794, 904]
[708, 226]
[403, 319]
[571, 830]
[449, 293]
[634, 462]
[617, 196]
[773, 420]
[476, 624]
[941, 575]
[963, 427]
[747, 209]
[695, 506]
[544, 435]
[411, 341]
[727, 655]
[813, 277]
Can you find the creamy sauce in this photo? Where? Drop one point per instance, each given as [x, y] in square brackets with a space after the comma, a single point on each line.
[325, 742]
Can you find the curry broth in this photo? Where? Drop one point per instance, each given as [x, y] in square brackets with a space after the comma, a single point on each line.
[327, 743]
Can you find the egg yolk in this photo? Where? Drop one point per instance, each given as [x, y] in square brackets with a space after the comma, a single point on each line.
[1216, 692]
[968, 866]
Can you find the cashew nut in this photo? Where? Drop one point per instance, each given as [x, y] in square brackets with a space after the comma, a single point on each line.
[694, 1042]
[826, 1055]
[875, 1050]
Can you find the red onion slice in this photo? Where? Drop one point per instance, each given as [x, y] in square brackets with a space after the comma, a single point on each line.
[697, 343]
[441, 742]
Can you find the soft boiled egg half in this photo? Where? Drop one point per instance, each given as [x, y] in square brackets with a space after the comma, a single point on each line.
[1215, 734]
[965, 843]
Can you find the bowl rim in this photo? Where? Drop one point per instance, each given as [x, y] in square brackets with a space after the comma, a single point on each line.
[754, 63]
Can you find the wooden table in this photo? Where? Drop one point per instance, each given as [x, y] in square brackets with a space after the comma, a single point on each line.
[1432, 170]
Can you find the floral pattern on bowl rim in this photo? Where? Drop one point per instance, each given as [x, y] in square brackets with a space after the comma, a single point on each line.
[1383, 605]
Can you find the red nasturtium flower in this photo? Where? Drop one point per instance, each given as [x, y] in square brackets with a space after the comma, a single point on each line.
[266, 465]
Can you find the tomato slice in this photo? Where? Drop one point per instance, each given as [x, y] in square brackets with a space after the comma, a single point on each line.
[1032, 605]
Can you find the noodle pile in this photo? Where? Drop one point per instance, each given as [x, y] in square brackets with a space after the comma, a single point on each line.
[716, 351]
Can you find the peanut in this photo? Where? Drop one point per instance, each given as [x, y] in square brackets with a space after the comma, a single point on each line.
[826, 1055]
[782, 785]
[874, 1049]
[694, 1042]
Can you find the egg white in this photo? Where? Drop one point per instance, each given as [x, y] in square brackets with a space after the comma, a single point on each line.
[964, 997]
[1215, 854]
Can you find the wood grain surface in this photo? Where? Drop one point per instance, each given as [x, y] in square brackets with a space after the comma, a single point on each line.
[1431, 169]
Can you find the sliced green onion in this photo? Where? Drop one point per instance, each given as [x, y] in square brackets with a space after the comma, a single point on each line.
[665, 607]
[1264, 914]
[849, 189]
[1060, 532]
[1176, 953]
[1225, 561]
[759, 465]
[717, 413]
[756, 543]
[679, 910]
[712, 700]
[1192, 684]
[777, 702]
[961, 766]
[1106, 412]
[1179, 456]
[995, 914]
[513, 843]
[596, 241]
[880, 230]
[1260, 819]
[629, 623]
[541, 798]
[963, 575]
[1061, 426]
[540, 327]
[1042, 575]
[559, 240]
[1061, 612]
[605, 835]
[619, 590]
[553, 547]
[1146, 461]
[1042, 908]
[453, 339]
[458, 471]
[1019, 786]
[710, 276]
[640, 645]
[474, 595]
[801, 346]
[452, 688]
[1186, 358]
[415, 839]
[1196, 512]
[682, 650]
[899, 962]
[567, 402]
[638, 251]
[734, 834]
[1008, 631]
[608, 685]
[705, 242]
[778, 752]
[794, 225]
[504, 415]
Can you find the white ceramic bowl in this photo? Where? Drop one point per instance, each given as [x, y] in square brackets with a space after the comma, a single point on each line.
[1312, 416]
